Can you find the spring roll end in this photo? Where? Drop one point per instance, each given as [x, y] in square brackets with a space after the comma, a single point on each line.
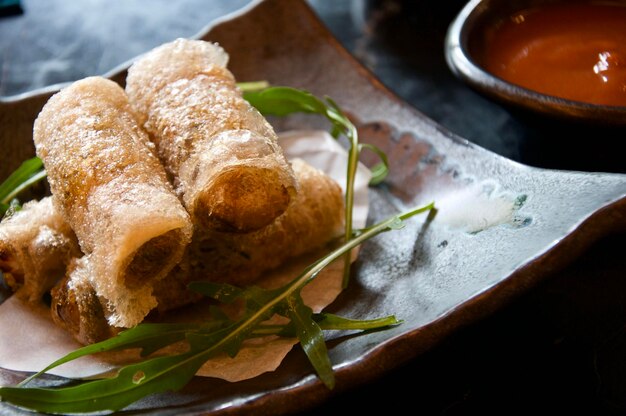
[76, 308]
[242, 199]
[141, 238]
[153, 259]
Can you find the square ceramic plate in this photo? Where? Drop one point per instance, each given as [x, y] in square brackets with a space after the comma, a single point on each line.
[501, 226]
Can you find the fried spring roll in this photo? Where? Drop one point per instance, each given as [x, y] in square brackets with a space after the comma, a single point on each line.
[114, 193]
[312, 221]
[36, 245]
[220, 151]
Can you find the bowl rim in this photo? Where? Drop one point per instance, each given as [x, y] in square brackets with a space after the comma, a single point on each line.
[464, 67]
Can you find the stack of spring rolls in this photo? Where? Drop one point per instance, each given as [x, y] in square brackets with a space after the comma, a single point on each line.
[173, 180]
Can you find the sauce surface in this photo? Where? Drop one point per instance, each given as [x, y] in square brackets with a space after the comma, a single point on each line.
[568, 50]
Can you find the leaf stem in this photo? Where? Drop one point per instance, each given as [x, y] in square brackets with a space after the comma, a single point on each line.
[253, 86]
[353, 160]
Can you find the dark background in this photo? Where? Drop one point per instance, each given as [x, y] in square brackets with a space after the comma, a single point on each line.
[560, 348]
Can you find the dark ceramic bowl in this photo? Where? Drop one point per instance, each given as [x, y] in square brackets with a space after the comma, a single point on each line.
[466, 36]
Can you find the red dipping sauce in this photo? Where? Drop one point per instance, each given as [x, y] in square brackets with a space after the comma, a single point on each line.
[569, 50]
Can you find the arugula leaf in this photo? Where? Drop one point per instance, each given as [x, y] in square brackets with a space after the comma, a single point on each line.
[222, 292]
[282, 101]
[228, 339]
[379, 170]
[22, 173]
[148, 337]
[330, 321]
[6, 210]
[28, 173]
[131, 384]
[252, 85]
[152, 376]
[311, 338]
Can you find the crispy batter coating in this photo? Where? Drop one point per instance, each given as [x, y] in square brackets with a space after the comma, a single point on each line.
[221, 153]
[112, 190]
[35, 246]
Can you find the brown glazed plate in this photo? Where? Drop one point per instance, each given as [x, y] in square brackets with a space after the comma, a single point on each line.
[501, 227]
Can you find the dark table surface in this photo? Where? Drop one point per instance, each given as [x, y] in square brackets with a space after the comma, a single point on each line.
[560, 347]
